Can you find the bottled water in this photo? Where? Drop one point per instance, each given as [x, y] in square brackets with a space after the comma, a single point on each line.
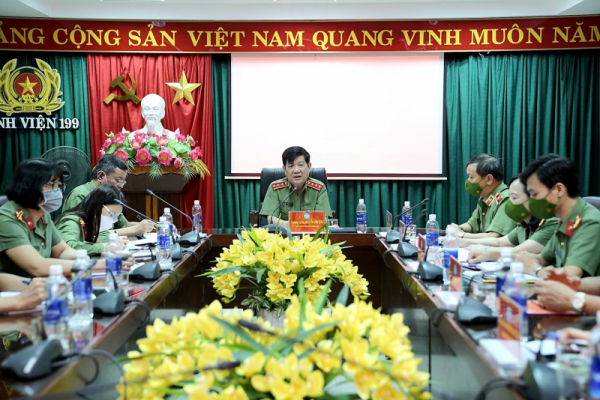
[114, 261]
[163, 245]
[57, 309]
[167, 214]
[516, 287]
[503, 266]
[594, 384]
[408, 217]
[450, 250]
[82, 288]
[361, 217]
[432, 233]
[197, 216]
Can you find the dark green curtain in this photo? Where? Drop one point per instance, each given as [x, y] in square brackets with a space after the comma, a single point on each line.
[20, 144]
[516, 106]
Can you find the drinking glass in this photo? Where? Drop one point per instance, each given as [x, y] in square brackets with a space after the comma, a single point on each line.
[411, 233]
[573, 358]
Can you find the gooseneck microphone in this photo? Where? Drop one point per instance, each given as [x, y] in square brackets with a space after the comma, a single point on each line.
[394, 236]
[192, 237]
[408, 250]
[280, 204]
[275, 227]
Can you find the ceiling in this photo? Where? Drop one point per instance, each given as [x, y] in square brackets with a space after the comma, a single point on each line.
[237, 10]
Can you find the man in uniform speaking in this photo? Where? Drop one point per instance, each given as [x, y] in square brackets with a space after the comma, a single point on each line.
[309, 194]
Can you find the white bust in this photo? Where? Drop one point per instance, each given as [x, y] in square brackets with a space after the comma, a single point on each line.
[153, 111]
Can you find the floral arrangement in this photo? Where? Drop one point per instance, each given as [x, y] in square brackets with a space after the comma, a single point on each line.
[274, 265]
[343, 352]
[157, 152]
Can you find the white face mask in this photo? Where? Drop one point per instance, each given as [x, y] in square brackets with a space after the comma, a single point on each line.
[106, 223]
[52, 200]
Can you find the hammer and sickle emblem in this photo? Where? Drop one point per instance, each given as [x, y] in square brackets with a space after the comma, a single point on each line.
[129, 93]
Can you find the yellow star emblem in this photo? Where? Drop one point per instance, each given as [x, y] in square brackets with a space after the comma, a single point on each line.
[183, 89]
[28, 86]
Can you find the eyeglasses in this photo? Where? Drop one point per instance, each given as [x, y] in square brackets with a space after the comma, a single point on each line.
[118, 181]
[54, 186]
[111, 214]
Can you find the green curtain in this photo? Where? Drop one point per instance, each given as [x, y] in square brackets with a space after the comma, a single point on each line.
[20, 144]
[516, 106]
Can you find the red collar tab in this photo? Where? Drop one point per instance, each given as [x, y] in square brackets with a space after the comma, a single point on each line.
[572, 226]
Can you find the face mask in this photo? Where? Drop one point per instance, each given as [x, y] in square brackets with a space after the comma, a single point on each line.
[516, 212]
[473, 188]
[542, 208]
[52, 200]
[106, 223]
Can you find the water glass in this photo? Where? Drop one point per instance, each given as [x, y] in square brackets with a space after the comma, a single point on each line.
[411, 233]
[485, 292]
[573, 358]
[333, 223]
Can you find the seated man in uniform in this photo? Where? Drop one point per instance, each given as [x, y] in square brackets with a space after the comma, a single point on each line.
[530, 234]
[309, 194]
[113, 171]
[553, 185]
[485, 181]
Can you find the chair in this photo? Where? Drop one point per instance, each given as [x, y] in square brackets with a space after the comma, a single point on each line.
[268, 176]
[3, 200]
[595, 201]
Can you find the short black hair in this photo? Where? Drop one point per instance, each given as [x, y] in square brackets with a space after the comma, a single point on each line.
[107, 164]
[90, 209]
[290, 154]
[514, 178]
[552, 169]
[25, 186]
[487, 164]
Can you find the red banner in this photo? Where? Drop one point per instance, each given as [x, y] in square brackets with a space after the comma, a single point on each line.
[577, 32]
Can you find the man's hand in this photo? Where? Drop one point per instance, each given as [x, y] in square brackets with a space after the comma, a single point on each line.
[123, 241]
[144, 226]
[33, 295]
[457, 230]
[572, 333]
[476, 253]
[554, 295]
[529, 260]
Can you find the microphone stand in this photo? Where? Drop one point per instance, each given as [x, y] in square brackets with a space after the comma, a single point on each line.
[192, 237]
[275, 227]
[408, 250]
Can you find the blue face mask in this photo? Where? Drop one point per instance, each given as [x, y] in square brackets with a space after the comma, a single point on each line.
[52, 200]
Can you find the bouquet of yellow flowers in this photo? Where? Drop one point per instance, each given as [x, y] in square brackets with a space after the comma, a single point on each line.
[343, 352]
[274, 265]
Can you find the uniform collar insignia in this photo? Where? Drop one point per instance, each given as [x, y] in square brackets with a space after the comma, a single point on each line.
[498, 197]
[279, 185]
[572, 226]
[29, 223]
[314, 185]
[490, 200]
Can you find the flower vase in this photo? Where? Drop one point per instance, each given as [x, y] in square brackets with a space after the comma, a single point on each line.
[272, 318]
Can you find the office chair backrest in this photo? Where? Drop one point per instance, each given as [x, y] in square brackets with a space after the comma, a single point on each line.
[593, 200]
[269, 175]
[3, 200]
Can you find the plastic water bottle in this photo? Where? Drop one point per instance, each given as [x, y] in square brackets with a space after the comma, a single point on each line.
[503, 266]
[81, 319]
[594, 384]
[361, 217]
[163, 245]
[432, 233]
[57, 309]
[167, 214]
[450, 250]
[408, 217]
[114, 261]
[197, 216]
[516, 287]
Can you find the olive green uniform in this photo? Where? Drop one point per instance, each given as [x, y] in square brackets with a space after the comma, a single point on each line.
[72, 229]
[542, 234]
[17, 229]
[81, 192]
[312, 197]
[575, 241]
[489, 215]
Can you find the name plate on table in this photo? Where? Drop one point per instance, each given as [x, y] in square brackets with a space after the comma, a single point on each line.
[455, 275]
[509, 324]
[306, 221]
[388, 220]
[422, 247]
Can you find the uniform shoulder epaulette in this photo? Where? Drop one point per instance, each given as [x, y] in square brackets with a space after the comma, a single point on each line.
[490, 200]
[498, 197]
[572, 226]
[81, 222]
[28, 221]
[314, 185]
[542, 223]
[279, 185]
[19, 215]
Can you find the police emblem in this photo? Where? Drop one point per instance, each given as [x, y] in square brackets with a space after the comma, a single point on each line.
[29, 89]
[306, 215]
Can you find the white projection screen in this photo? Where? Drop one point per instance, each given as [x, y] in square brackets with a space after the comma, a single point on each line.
[359, 116]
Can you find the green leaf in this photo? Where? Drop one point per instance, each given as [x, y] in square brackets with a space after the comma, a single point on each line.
[307, 272]
[319, 231]
[111, 149]
[326, 238]
[302, 335]
[322, 297]
[228, 270]
[241, 239]
[343, 296]
[302, 295]
[259, 274]
[242, 334]
[332, 247]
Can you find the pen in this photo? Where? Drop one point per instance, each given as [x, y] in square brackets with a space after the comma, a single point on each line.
[27, 282]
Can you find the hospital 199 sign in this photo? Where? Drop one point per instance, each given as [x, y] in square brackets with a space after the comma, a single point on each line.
[29, 90]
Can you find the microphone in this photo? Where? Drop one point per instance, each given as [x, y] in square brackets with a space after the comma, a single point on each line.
[428, 271]
[408, 250]
[176, 248]
[35, 361]
[394, 236]
[192, 237]
[274, 226]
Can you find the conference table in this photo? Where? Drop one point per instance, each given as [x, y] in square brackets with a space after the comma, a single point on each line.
[450, 352]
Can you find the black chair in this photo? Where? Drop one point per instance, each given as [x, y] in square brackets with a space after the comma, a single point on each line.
[268, 176]
[3, 200]
[595, 201]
